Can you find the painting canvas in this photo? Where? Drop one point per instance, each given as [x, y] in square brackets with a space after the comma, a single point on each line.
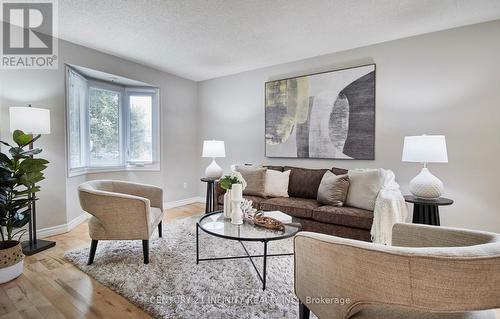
[325, 115]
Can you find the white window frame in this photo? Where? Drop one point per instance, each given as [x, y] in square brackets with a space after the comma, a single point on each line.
[154, 93]
[83, 118]
[124, 128]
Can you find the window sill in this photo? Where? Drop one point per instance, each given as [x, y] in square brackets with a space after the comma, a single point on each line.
[129, 168]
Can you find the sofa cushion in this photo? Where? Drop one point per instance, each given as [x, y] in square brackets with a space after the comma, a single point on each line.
[346, 216]
[293, 206]
[364, 187]
[277, 183]
[304, 182]
[255, 176]
[333, 189]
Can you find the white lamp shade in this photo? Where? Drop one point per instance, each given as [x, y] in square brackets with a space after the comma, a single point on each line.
[214, 149]
[30, 120]
[425, 149]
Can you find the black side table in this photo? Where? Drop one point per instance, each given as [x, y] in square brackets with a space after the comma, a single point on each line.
[426, 211]
[209, 203]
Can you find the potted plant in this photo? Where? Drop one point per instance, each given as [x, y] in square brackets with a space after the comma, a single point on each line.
[226, 183]
[19, 174]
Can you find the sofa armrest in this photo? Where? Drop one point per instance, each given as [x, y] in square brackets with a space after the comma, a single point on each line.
[427, 279]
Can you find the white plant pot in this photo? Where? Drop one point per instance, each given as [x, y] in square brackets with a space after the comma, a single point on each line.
[11, 263]
[12, 272]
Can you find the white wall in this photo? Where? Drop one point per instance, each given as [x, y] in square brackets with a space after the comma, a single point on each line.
[441, 83]
[46, 88]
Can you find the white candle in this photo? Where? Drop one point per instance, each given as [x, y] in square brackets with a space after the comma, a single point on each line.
[237, 192]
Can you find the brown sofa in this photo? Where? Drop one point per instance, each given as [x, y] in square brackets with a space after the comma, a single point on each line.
[348, 222]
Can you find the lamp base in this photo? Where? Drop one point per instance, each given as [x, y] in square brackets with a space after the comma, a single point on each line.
[426, 186]
[37, 246]
[213, 170]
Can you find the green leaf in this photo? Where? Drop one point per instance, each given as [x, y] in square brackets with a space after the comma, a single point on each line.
[31, 178]
[21, 138]
[19, 153]
[4, 159]
[32, 152]
[33, 165]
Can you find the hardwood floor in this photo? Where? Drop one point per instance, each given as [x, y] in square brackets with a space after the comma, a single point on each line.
[51, 287]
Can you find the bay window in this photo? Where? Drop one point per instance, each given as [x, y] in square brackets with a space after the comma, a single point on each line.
[111, 126]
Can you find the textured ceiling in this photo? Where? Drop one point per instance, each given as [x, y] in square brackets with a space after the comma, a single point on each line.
[203, 39]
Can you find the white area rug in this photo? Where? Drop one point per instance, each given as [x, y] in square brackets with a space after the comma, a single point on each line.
[173, 286]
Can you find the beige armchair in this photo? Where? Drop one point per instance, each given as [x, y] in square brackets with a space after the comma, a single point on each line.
[121, 211]
[429, 272]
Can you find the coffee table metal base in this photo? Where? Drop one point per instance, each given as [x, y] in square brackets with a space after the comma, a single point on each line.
[261, 276]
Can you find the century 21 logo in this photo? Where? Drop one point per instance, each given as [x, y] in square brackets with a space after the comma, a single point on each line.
[27, 28]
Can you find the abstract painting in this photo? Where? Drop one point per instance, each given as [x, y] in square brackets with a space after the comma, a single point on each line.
[325, 115]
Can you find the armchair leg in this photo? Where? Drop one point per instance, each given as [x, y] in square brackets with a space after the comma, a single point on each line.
[159, 230]
[304, 312]
[145, 251]
[93, 247]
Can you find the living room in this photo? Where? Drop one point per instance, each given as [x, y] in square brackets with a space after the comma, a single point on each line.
[149, 112]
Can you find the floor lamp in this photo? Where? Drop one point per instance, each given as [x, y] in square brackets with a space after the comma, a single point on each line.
[33, 121]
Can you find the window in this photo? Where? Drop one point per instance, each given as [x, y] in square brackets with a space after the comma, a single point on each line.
[141, 128]
[110, 126]
[104, 124]
[76, 119]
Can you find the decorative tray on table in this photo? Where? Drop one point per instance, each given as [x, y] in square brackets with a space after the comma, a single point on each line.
[260, 220]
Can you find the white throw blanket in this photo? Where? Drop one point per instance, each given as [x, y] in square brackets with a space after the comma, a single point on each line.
[390, 208]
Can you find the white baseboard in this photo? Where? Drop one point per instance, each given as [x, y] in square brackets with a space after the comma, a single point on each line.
[182, 202]
[64, 228]
[59, 229]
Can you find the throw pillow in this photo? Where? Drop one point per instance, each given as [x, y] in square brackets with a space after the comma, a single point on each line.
[333, 189]
[277, 183]
[255, 177]
[364, 187]
[304, 182]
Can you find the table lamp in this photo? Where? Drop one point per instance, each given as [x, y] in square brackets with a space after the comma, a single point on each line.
[425, 149]
[213, 149]
[32, 121]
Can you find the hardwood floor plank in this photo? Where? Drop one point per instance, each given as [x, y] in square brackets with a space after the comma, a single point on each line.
[6, 305]
[51, 287]
[17, 297]
[31, 313]
[12, 315]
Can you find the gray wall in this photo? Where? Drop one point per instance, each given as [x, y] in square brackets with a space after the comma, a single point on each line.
[440, 83]
[45, 88]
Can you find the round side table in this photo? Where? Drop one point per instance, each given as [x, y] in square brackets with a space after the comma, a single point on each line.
[210, 202]
[426, 211]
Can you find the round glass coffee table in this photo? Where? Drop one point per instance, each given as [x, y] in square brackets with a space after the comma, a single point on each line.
[216, 225]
